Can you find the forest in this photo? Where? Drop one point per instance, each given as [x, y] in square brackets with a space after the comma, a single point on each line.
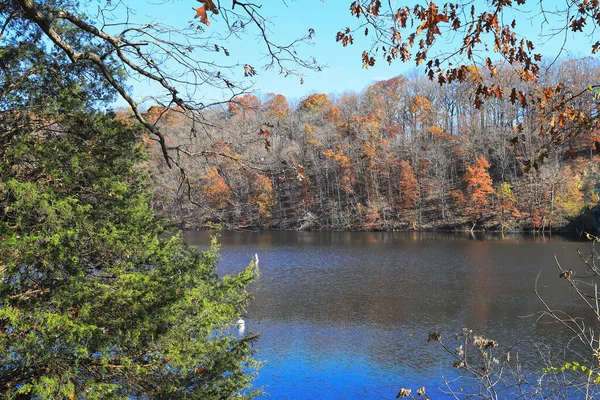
[101, 297]
[405, 153]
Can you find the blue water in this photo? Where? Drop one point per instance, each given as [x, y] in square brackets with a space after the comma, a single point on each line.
[346, 315]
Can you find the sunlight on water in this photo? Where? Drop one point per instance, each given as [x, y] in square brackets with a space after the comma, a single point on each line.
[347, 314]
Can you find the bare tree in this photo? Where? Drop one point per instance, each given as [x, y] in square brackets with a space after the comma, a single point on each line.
[180, 61]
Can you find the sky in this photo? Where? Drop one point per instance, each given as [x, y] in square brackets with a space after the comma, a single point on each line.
[291, 19]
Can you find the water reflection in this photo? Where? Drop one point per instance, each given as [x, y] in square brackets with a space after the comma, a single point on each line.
[346, 314]
[482, 283]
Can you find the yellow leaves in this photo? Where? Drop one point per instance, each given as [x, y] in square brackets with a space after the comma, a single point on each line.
[277, 106]
[315, 102]
[263, 195]
[570, 196]
[311, 137]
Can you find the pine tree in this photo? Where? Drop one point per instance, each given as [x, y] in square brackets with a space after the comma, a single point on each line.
[97, 299]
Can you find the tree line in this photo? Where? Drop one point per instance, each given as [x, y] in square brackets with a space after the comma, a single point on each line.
[405, 153]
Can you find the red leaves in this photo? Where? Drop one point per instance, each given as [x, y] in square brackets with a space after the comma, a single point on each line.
[246, 103]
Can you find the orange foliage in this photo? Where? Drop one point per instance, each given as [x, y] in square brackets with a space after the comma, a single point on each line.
[161, 113]
[384, 97]
[311, 137]
[438, 134]
[246, 103]
[536, 220]
[277, 106]
[201, 11]
[420, 105]
[215, 189]
[315, 102]
[391, 87]
[333, 114]
[479, 185]
[347, 179]
[263, 196]
[339, 156]
[368, 123]
[124, 115]
[370, 151]
[409, 193]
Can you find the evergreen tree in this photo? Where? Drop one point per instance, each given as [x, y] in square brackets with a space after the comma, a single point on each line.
[97, 298]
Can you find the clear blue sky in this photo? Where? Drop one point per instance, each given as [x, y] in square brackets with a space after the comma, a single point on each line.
[292, 19]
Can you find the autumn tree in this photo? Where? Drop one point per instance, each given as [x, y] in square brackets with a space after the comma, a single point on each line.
[263, 197]
[409, 189]
[324, 164]
[241, 105]
[215, 189]
[483, 37]
[316, 102]
[178, 61]
[479, 188]
[506, 201]
[277, 106]
[99, 298]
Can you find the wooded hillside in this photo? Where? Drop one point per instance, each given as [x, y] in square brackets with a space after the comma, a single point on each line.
[405, 153]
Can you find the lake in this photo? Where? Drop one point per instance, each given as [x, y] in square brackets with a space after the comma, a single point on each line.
[346, 315]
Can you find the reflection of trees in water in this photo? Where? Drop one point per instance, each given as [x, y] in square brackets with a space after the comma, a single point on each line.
[375, 296]
[422, 280]
[481, 283]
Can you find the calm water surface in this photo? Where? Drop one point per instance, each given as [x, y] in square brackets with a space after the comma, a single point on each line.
[345, 315]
